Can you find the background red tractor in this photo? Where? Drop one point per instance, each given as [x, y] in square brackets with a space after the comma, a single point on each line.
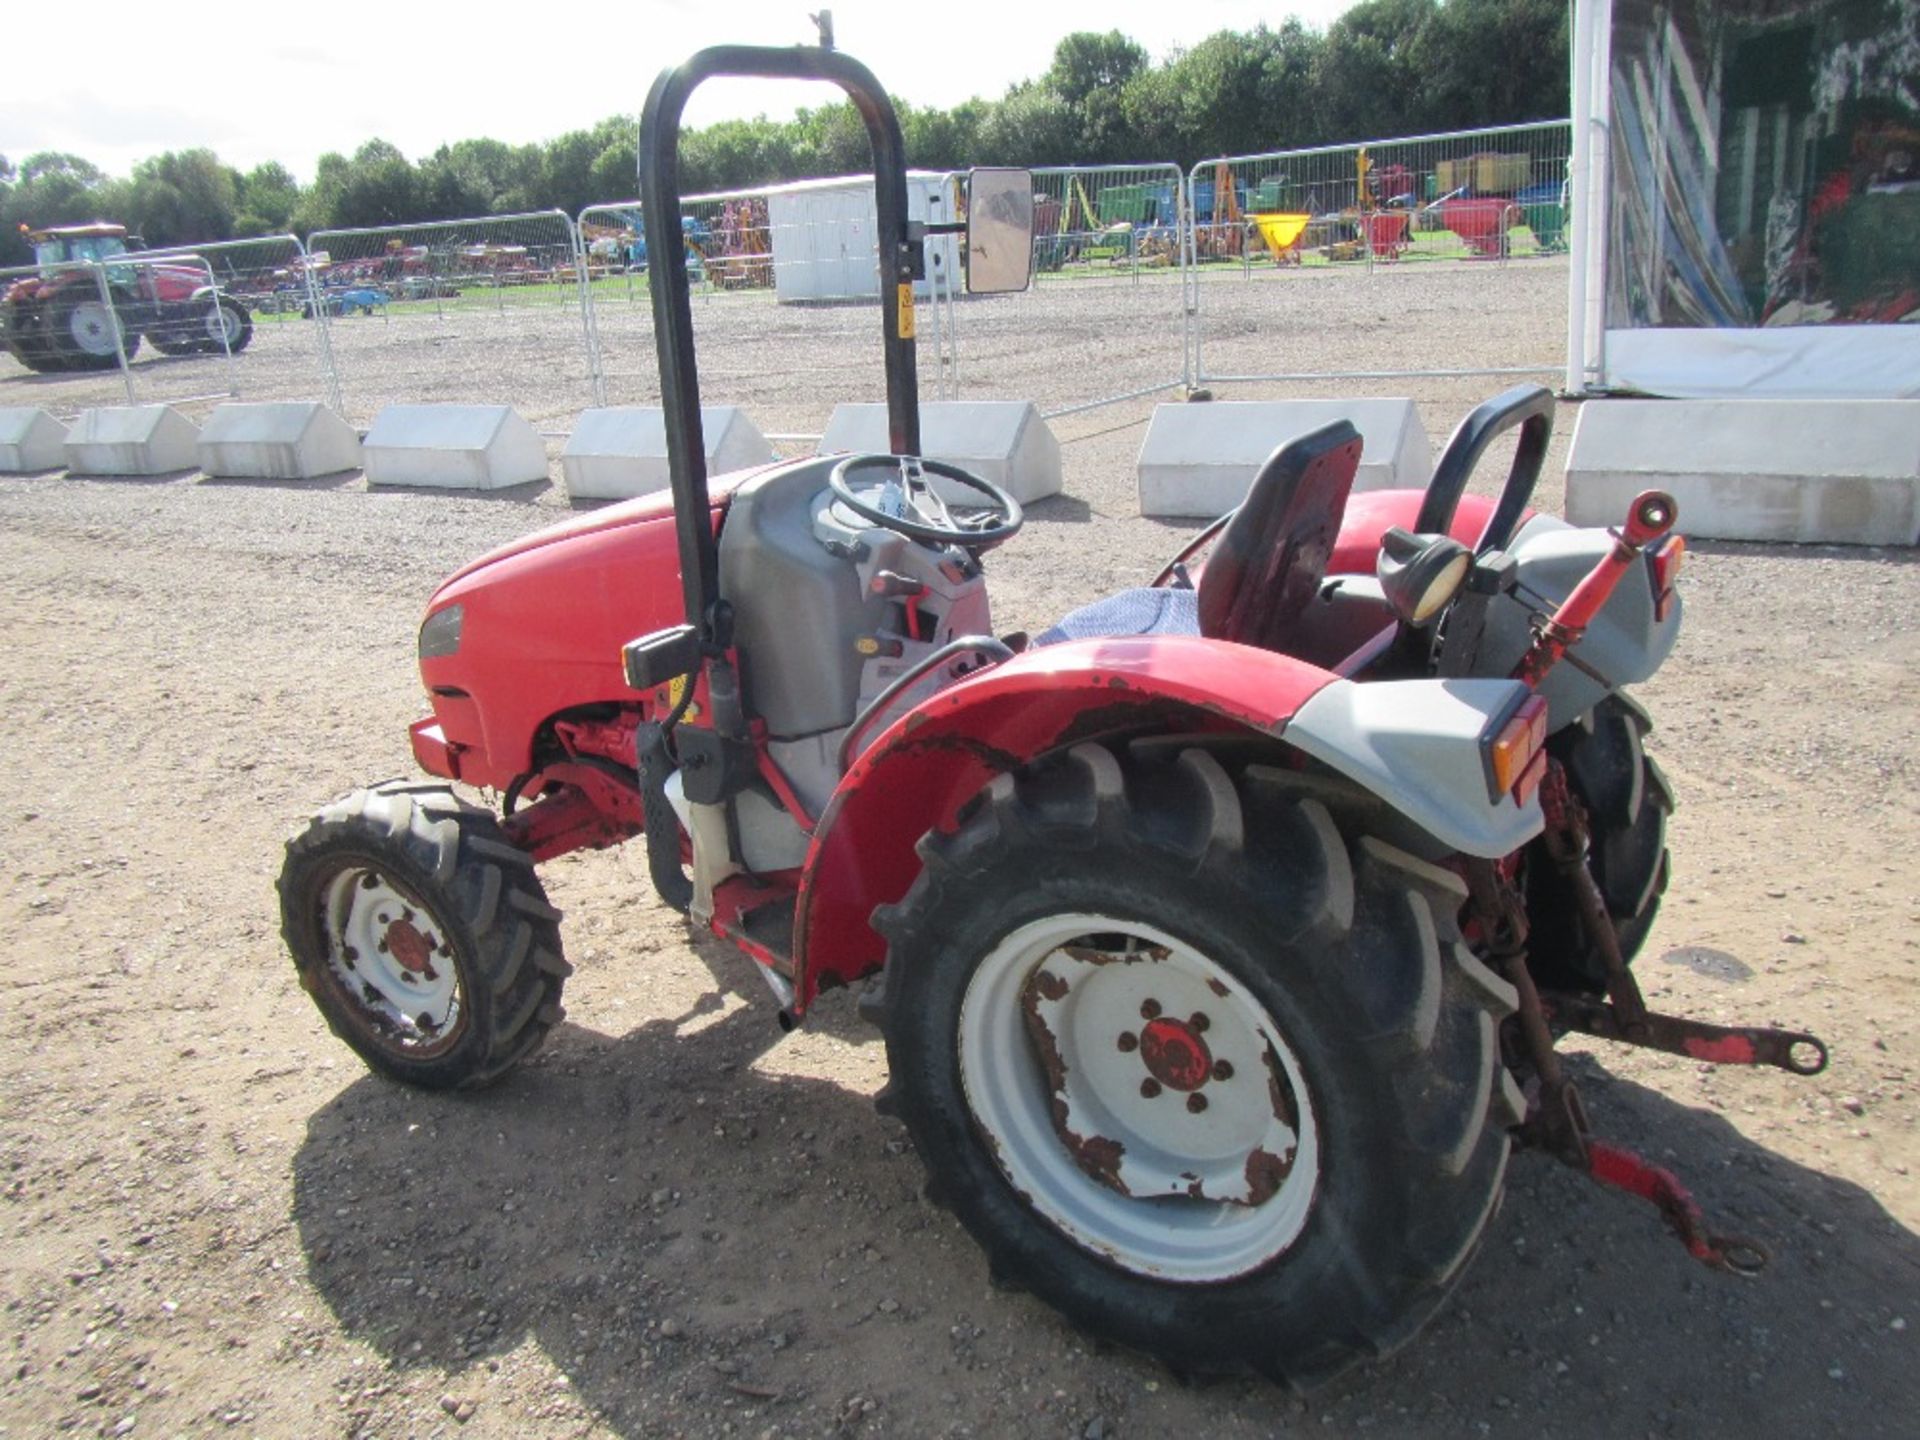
[58, 319]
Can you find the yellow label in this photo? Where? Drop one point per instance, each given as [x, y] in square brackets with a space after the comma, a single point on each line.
[906, 310]
[675, 688]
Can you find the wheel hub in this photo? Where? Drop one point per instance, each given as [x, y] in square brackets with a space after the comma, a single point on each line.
[382, 950]
[1174, 1054]
[1140, 1096]
[412, 949]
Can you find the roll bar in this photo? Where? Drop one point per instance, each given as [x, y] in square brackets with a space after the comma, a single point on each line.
[673, 309]
[1529, 406]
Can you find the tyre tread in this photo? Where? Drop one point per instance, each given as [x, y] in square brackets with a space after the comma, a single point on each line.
[455, 852]
[1360, 901]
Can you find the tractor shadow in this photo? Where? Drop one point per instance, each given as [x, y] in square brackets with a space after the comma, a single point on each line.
[688, 1230]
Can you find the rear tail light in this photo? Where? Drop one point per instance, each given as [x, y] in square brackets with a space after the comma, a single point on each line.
[1516, 753]
[1663, 565]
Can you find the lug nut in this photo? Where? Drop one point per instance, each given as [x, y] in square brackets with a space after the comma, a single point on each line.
[1198, 1020]
[1196, 1102]
[1222, 1070]
[1129, 1042]
[1149, 1009]
[1149, 1088]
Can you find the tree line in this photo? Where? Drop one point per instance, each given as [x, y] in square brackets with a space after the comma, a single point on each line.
[1384, 68]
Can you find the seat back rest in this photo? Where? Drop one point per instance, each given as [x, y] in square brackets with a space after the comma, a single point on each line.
[1269, 561]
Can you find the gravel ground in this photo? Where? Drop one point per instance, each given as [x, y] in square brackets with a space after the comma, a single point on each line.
[677, 1221]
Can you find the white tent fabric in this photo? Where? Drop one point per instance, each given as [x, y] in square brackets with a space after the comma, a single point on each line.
[1879, 361]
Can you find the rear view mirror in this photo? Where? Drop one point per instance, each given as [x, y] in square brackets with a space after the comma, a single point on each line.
[999, 231]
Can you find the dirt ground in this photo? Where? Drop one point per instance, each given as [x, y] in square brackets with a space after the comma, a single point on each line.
[679, 1221]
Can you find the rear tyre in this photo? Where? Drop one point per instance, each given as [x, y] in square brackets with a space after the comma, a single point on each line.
[1213, 1080]
[424, 937]
[1627, 800]
[83, 328]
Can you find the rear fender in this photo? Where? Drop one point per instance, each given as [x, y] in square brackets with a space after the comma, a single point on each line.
[1372, 513]
[932, 760]
[1415, 745]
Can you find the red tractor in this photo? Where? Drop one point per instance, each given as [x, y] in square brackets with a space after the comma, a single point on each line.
[1219, 935]
[65, 318]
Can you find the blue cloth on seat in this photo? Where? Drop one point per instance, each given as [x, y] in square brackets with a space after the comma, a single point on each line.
[1131, 612]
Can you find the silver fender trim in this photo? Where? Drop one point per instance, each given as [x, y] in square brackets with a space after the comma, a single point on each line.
[1416, 745]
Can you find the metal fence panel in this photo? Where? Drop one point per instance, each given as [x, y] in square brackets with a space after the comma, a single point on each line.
[187, 325]
[1450, 204]
[1108, 252]
[785, 270]
[490, 310]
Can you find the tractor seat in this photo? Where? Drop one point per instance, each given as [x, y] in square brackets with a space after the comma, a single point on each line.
[1265, 568]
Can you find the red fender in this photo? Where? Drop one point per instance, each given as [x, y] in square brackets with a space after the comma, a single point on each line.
[928, 763]
[1371, 513]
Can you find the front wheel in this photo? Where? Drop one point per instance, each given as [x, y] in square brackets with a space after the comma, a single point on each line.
[1212, 1079]
[424, 937]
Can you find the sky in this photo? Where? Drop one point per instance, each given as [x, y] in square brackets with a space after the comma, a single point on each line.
[254, 80]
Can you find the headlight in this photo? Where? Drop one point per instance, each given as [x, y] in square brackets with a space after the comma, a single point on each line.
[440, 635]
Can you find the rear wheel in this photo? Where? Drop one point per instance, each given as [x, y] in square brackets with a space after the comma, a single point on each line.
[424, 937]
[1213, 1080]
[83, 328]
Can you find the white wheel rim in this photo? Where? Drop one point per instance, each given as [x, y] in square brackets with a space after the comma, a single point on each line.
[391, 958]
[91, 326]
[222, 327]
[1178, 1140]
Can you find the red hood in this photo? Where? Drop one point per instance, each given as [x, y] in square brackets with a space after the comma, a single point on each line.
[638, 511]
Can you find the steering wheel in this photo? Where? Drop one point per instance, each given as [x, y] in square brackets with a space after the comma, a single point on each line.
[923, 515]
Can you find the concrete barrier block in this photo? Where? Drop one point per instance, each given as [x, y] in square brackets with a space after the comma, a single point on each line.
[1198, 460]
[453, 447]
[30, 440]
[621, 451]
[1843, 472]
[131, 440]
[1004, 441]
[277, 442]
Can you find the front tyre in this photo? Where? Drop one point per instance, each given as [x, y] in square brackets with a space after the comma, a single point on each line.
[424, 937]
[1214, 1080]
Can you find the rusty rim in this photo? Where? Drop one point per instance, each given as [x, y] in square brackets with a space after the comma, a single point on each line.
[1139, 1097]
[390, 957]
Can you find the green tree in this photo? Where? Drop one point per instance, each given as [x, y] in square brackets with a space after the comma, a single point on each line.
[1034, 126]
[269, 196]
[52, 187]
[379, 188]
[181, 197]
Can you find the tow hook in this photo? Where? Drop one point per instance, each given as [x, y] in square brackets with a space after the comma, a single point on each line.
[1557, 1120]
[1621, 1169]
